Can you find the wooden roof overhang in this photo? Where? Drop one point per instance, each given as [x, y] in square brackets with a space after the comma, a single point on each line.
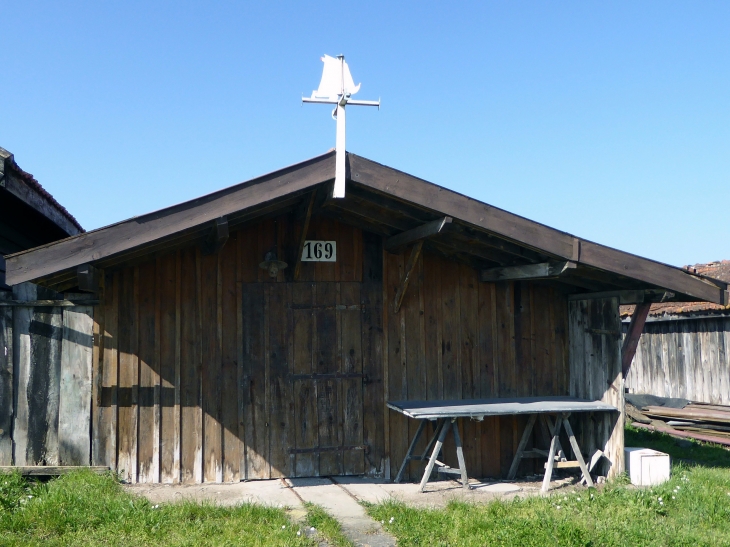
[402, 208]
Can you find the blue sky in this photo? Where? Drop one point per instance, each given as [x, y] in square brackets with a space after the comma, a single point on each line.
[609, 120]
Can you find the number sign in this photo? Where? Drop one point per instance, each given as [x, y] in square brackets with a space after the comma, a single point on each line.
[319, 251]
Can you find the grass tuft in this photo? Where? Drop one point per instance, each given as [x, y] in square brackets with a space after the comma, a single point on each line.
[326, 525]
[83, 508]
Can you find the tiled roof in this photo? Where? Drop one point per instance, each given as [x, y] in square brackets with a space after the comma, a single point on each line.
[717, 270]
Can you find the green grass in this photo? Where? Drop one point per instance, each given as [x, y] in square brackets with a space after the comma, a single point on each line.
[89, 510]
[694, 510]
[326, 525]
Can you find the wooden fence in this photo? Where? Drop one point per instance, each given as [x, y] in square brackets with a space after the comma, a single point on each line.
[45, 381]
[687, 358]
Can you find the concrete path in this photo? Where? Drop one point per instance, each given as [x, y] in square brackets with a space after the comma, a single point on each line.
[342, 505]
[341, 497]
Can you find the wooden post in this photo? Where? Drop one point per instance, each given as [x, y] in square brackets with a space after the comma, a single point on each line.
[631, 341]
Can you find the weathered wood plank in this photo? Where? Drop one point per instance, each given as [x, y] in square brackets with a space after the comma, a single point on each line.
[279, 384]
[230, 341]
[329, 405]
[352, 388]
[191, 418]
[255, 389]
[6, 382]
[128, 375]
[432, 326]
[148, 443]
[211, 369]
[168, 289]
[304, 390]
[372, 354]
[108, 408]
[410, 315]
[470, 359]
[396, 387]
[75, 392]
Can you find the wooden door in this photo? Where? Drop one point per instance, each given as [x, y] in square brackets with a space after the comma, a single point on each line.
[327, 379]
[304, 409]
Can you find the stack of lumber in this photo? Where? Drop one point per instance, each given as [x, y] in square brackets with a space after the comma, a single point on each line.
[704, 422]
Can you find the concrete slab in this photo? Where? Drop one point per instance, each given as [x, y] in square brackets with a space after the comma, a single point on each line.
[338, 502]
[268, 492]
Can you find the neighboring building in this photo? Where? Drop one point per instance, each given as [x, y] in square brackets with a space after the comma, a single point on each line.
[29, 216]
[685, 348]
[201, 358]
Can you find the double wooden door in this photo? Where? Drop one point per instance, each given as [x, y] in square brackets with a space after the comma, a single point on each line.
[304, 386]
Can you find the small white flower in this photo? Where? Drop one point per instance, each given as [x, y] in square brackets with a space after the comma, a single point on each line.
[383, 522]
[578, 499]
[312, 529]
[660, 500]
[674, 497]
[677, 487]
[30, 497]
[391, 520]
[661, 503]
[283, 526]
[565, 498]
[557, 507]
[299, 532]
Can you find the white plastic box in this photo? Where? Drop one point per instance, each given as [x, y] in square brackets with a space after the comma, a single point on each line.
[646, 467]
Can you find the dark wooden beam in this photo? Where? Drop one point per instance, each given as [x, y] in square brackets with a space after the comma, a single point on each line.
[150, 228]
[631, 342]
[47, 303]
[303, 238]
[414, 191]
[88, 278]
[416, 234]
[631, 296]
[544, 270]
[403, 287]
[217, 236]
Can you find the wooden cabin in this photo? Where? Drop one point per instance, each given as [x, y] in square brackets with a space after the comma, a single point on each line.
[684, 351]
[199, 357]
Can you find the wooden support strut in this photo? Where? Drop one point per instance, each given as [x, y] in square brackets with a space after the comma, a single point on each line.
[87, 277]
[303, 238]
[217, 236]
[530, 271]
[631, 342]
[410, 266]
[416, 234]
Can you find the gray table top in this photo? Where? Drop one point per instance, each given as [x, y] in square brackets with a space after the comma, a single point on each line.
[478, 408]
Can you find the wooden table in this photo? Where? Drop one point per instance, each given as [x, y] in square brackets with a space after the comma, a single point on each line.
[446, 413]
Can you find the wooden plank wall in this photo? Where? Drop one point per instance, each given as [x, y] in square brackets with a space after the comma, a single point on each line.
[45, 381]
[6, 381]
[595, 374]
[455, 337]
[197, 356]
[688, 359]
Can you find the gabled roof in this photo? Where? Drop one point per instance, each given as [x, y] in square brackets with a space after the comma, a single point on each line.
[25, 187]
[380, 199]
